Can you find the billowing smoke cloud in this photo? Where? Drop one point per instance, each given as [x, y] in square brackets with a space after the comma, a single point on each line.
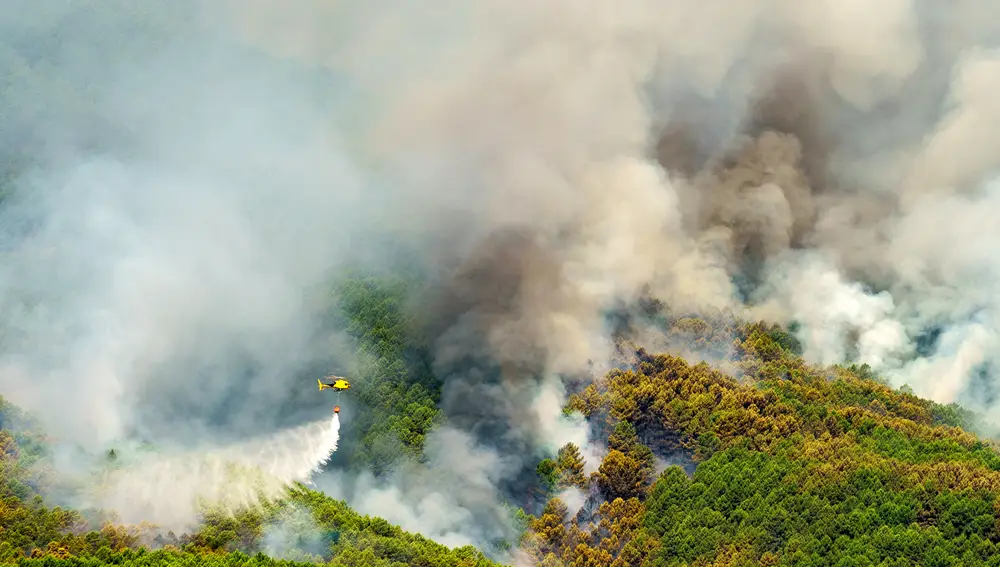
[165, 236]
[828, 163]
[816, 163]
[451, 498]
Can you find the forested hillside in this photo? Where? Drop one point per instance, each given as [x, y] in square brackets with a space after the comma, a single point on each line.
[796, 465]
[396, 399]
[312, 527]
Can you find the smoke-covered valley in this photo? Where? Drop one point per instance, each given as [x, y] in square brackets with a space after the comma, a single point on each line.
[183, 180]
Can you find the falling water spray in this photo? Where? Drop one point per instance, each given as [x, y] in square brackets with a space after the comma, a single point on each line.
[229, 478]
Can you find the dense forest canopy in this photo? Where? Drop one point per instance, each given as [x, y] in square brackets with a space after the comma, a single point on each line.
[791, 464]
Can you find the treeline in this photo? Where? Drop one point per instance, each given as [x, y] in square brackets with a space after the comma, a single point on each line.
[797, 466]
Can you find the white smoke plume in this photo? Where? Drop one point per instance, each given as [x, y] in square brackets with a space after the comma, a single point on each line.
[166, 229]
[451, 498]
[295, 536]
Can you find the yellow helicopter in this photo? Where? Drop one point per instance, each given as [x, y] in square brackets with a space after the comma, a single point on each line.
[340, 384]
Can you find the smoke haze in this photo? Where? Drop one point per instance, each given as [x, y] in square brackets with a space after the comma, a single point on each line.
[185, 177]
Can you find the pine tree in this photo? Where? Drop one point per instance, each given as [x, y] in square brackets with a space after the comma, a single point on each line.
[570, 465]
[625, 439]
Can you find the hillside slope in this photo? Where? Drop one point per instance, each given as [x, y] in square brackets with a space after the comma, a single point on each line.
[798, 465]
[307, 527]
